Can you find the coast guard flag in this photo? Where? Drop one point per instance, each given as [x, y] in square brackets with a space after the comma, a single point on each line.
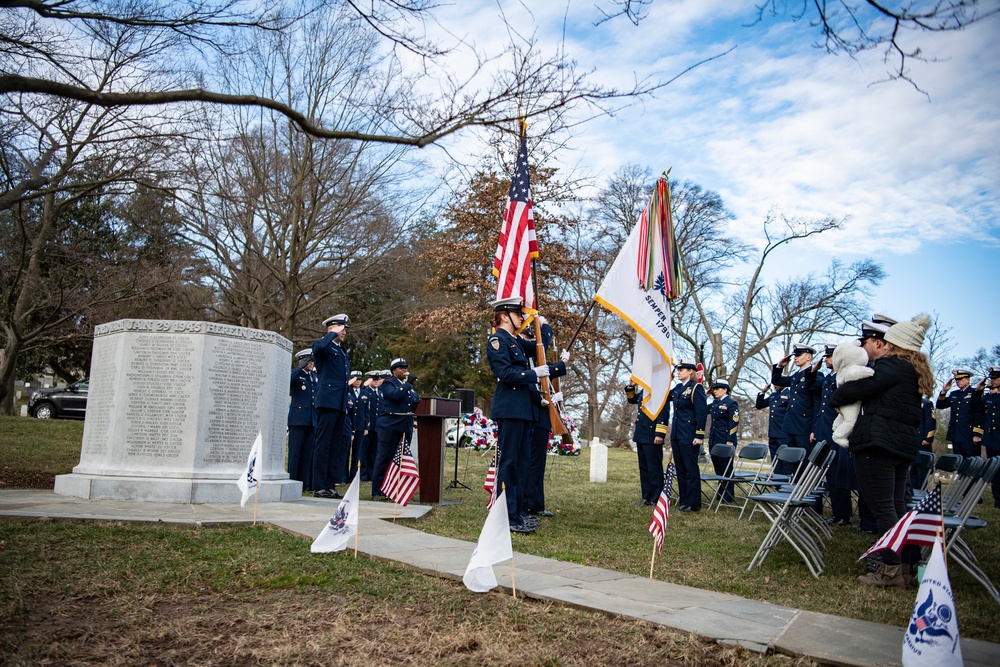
[493, 547]
[644, 277]
[250, 479]
[931, 638]
[339, 530]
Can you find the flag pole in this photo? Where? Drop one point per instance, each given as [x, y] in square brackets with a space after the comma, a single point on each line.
[653, 559]
[256, 492]
[582, 322]
[357, 530]
[513, 583]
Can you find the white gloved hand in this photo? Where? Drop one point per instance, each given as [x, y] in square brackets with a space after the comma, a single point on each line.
[564, 357]
[557, 397]
[542, 320]
[545, 403]
[542, 371]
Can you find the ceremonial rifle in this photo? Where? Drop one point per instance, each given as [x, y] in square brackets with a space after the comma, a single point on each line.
[555, 417]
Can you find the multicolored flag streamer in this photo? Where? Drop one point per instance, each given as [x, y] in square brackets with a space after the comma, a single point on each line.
[658, 252]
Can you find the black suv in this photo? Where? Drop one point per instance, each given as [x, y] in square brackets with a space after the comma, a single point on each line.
[67, 402]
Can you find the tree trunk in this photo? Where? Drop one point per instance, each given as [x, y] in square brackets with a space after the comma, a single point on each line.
[7, 365]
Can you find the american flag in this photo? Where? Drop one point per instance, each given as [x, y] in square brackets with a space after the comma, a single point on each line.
[658, 525]
[490, 485]
[401, 477]
[518, 245]
[919, 526]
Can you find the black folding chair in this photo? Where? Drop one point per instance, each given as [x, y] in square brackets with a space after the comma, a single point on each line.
[713, 481]
[748, 470]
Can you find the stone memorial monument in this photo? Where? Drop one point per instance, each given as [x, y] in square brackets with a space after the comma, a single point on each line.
[174, 408]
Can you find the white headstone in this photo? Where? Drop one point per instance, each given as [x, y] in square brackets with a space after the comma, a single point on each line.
[174, 408]
[598, 461]
[24, 410]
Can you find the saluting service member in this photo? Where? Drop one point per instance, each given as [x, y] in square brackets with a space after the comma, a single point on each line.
[777, 404]
[725, 431]
[512, 408]
[928, 429]
[331, 448]
[648, 437]
[801, 414]
[687, 432]
[964, 434]
[986, 405]
[395, 420]
[302, 419]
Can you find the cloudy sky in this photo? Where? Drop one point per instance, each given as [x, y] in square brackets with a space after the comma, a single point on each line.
[778, 124]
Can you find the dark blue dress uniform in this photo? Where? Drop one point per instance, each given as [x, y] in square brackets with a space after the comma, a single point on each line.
[373, 398]
[395, 422]
[928, 429]
[725, 414]
[777, 404]
[961, 424]
[538, 450]
[802, 397]
[357, 416]
[515, 410]
[690, 408]
[840, 478]
[987, 409]
[301, 425]
[330, 448]
[649, 453]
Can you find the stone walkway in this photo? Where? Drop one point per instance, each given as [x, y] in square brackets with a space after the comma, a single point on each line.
[758, 626]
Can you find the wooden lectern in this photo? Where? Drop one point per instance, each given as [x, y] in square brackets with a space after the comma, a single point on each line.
[431, 413]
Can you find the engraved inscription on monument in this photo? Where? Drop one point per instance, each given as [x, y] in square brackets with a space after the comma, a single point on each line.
[234, 372]
[156, 411]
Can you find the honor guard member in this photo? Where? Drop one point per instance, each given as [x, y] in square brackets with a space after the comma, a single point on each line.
[331, 448]
[687, 432]
[648, 436]
[801, 414]
[512, 407]
[302, 419]
[777, 404]
[986, 405]
[370, 389]
[928, 429]
[538, 450]
[395, 420]
[965, 435]
[725, 414]
[357, 410]
[840, 477]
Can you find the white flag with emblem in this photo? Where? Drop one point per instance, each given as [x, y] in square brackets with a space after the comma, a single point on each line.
[931, 638]
[250, 479]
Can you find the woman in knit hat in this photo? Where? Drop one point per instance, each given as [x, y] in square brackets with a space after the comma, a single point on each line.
[885, 439]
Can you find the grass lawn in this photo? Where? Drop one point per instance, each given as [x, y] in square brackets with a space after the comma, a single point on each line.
[262, 587]
[599, 525]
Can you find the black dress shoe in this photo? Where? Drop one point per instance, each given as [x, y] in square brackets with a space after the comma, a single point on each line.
[683, 508]
[541, 513]
[522, 529]
[690, 509]
[322, 493]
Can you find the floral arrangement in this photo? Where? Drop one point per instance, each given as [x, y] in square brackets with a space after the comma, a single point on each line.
[479, 432]
[572, 448]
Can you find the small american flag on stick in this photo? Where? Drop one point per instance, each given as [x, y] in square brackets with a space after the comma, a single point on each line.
[401, 477]
[490, 485]
[658, 525]
[918, 526]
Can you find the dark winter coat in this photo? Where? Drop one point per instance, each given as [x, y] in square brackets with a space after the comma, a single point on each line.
[890, 409]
